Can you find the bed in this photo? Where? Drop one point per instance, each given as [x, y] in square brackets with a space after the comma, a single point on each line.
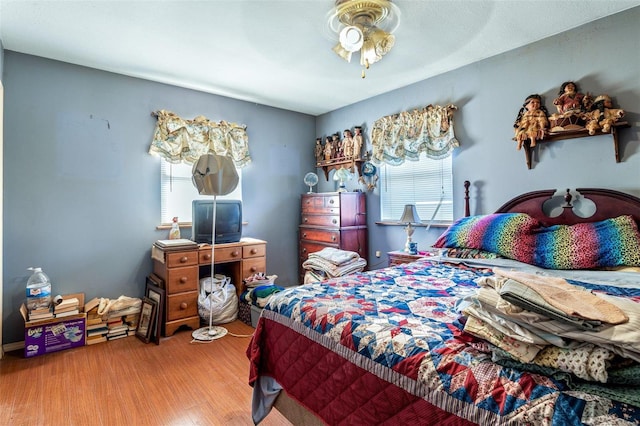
[440, 340]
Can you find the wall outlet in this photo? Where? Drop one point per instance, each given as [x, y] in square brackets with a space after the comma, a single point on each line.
[378, 253]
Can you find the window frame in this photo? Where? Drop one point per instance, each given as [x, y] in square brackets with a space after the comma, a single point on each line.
[177, 177]
[394, 182]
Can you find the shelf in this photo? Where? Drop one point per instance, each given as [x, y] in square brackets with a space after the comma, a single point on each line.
[337, 163]
[574, 134]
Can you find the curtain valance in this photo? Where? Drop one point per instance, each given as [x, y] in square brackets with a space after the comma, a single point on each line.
[183, 141]
[404, 136]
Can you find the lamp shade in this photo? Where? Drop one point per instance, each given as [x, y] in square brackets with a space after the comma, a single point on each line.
[410, 214]
[214, 175]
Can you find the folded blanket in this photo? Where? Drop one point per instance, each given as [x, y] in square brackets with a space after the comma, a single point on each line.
[335, 256]
[332, 270]
[570, 299]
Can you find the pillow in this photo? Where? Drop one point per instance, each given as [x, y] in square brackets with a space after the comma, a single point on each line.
[608, 243]
[507, 234]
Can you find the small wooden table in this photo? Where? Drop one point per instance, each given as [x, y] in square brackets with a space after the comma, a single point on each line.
[399, 257]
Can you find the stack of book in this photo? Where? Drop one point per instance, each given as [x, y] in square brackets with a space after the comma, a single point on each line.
[68, 306]
[38, 314]
[96, 324]
[123, 322]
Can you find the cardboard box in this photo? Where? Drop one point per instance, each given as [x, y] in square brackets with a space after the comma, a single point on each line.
[54, 334]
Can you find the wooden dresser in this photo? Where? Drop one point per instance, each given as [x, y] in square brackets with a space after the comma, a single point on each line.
[333, 219]
[180, 272]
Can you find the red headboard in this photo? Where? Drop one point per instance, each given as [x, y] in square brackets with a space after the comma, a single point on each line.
[608, 203]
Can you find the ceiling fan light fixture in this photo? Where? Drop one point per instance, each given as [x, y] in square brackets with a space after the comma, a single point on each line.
[342, 52]
[351, 38]
[364, 25]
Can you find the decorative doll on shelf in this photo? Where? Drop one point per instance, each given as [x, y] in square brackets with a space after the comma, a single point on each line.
[357, 143]
[531, 122]
[570, 100]
[571, 105]
[602, 115]
[337, 146]
[328, 149]
[347, 144]
[318, 150]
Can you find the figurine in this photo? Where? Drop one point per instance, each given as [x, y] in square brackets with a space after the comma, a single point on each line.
[347, 144]
[532, 121]
[602, 115]
[337, 146]
[570, 100]
[571, 105]
[318, 152]
[328, 149]
[357, 143]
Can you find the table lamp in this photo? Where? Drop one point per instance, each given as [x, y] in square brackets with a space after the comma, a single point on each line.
[409, 216]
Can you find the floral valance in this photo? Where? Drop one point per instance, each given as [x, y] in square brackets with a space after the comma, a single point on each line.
[404, 136]
[183, 141]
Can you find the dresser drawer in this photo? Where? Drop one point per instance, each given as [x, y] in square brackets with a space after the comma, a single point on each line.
[182, 279]
[254, 250]
[228, 254]
[324, 235]
[182, 305]
[308, 247]
[181, 258]
[321, 204]
[321, 220]
[253, 266]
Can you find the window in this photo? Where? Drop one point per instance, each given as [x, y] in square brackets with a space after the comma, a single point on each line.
[177, 191]
[427, 183]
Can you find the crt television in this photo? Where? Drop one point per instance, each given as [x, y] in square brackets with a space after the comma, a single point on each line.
[228, 221]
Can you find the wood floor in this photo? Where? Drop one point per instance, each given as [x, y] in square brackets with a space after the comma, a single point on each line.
[128, 382]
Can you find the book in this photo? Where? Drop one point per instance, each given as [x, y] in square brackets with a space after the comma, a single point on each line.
[72, 301]
[92, 304]
[94, 340]
[93, 321]
[67, 313]
[46, 315]
[65, 309]
[180, 243]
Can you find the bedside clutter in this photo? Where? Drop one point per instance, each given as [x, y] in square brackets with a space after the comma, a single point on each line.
[259, 290]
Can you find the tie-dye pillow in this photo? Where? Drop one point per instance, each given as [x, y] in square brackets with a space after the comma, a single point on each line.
[609, 243]
[507, 234]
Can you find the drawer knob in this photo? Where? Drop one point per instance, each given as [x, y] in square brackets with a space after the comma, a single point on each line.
[333, 238]
[207, 256]
[331, 201]
[304, 250]
[183, 306]
[235, 253]
[253, 269]
[305, 220]
[184, 259]
[254, 251]
[183, 279]
[334, 221]
[304, 235]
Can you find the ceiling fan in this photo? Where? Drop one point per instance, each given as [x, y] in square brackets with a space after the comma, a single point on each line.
[366, 26]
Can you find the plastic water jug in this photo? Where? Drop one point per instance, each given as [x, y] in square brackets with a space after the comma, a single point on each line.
[38, 290]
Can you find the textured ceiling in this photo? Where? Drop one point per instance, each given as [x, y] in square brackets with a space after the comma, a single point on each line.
[278, 53]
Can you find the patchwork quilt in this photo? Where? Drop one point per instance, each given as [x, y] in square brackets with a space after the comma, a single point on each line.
[388, 347]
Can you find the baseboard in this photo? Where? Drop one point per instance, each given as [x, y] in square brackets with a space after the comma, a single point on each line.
[12, 346]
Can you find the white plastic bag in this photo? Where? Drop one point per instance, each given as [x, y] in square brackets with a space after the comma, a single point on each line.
[217, 297]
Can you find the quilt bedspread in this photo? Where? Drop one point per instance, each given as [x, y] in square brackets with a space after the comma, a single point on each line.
[387, 346]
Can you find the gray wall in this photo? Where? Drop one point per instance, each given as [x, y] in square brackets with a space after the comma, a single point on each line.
[601, 56]
[82, 195]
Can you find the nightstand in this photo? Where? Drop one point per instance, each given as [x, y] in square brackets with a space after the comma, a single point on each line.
[400, 257]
